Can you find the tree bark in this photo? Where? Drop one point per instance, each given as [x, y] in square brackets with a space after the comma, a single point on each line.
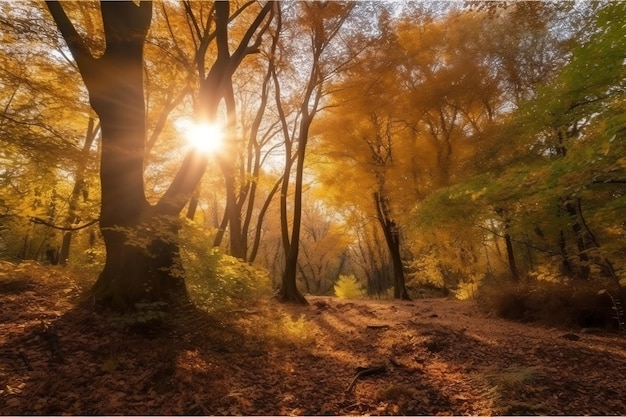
[260, 217]
[193, 204]
[289, 290]
[510, 253]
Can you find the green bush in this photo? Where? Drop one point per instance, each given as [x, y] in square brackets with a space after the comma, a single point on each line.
[347, 286]
[216, 281]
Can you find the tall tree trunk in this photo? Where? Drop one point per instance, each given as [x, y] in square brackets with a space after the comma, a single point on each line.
[510, 253]
[289, 290]
[261, 216]
[221, 227]
[238, 246]
[321, 35]
[566, 265]
[143, 260]
[141, 257]
[392, 237]
[193, 204]
[26, 246]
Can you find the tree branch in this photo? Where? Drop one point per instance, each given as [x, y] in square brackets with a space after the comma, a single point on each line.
[75, 43]
[183, 185]
[37, 220]
[242, 49]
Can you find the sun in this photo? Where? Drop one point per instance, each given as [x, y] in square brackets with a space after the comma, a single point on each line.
[205, 137]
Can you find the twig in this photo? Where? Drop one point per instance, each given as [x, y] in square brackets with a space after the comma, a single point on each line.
[525, 243]
[396, 363]
[363, 372]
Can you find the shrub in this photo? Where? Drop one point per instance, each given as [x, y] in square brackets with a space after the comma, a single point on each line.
[559, 304]
[217, 281]
[347, 286]
[291, 330]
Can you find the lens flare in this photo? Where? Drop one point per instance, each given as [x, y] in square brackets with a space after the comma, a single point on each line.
[205, 137]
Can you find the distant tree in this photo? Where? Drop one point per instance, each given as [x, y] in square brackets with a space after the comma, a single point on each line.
[557, 177]
[80, 190]
[43, 139]
[420, 112]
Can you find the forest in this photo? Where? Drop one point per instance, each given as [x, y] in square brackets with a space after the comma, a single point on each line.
[312, 207]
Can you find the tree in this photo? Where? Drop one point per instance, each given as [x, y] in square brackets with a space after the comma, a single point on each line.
[143, 261]
[562, 168]
[42, 127]
[242, 109]
[370, 148]
[323, 246]
[219, 79]
[321, 22]
[421, 113]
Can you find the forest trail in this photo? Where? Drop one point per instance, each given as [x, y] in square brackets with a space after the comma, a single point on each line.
[434, 356]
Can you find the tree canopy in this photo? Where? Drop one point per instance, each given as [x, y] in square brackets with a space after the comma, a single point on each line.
[402, 144]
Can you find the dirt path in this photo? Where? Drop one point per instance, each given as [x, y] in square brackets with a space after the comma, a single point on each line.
[439, 357]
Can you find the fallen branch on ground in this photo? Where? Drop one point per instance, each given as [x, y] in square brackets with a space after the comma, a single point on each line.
[363, 372]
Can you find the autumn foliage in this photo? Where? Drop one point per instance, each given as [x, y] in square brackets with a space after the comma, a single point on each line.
[372, 156]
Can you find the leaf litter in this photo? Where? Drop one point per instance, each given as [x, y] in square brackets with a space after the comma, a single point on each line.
[440, 357]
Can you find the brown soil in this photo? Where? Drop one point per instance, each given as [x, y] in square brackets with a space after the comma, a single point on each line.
[439, 357]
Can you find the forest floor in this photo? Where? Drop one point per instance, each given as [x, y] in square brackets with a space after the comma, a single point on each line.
[430, 356]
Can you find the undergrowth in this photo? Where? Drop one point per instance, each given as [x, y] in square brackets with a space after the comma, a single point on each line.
[215, 281]
[503, 386]
[559, 304]
[290, 329]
